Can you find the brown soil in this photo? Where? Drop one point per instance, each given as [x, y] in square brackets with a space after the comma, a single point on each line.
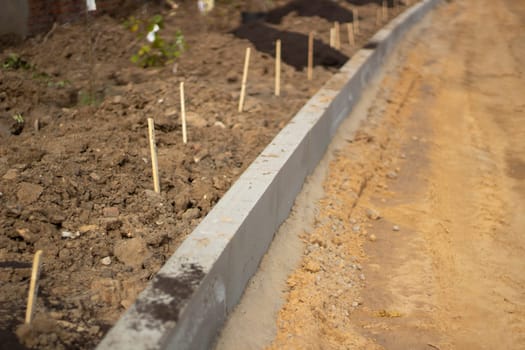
[418, 241]
[75, 174]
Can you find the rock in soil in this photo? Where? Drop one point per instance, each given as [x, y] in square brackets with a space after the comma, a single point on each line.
[132, 252]
[28, 193]
[373, 214]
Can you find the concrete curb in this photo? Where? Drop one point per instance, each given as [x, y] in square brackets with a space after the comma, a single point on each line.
[186, 304]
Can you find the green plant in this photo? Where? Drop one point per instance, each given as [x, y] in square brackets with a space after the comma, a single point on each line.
[13, 61]
[132, 24]
[157, 51]
[18, 118]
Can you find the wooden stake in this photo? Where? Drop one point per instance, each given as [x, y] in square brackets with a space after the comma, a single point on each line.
[310, 55]
[378, 17]
[355, 22]
[278, 67]
[153, 150]
[244, 79]
[351, 37]
[385, 11]
[332, 37]
[33, 286]
[183, 114]
[337, 36]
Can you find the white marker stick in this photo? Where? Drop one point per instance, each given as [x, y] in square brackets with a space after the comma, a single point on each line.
[332, 37]
[310, 55]
[183, 114]
[33, 286]
[244, 79]
[153, 150]
[351, 36]
[278, 67]
[91, 5]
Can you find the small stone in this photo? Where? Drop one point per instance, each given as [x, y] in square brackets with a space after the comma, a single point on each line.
[56, 217]
[403, 156]
[69, 234]
[106, 261]
[87, 228]
[132, 252]
[373, 214]
[391, 175]
[196, 120]
[26, 235]
[11, 174]
[29, 193]
[94, 176]
[219, 124]
[356, 228]
[111, 212]
[395, 228]
[152, 194]
[156, 238]
[232, 77]
[191, 214]
[355, 304]
[372, 238]
[362, 277]
[312, 266]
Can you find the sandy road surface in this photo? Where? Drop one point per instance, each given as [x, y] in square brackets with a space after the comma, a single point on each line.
[441, 161]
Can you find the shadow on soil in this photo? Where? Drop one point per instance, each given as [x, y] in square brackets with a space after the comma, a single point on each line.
[294, 46]
[327, 9]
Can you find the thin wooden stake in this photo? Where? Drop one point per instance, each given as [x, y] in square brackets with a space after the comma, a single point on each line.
[385, 11]
[378, 17]
[278, 67]
[153, 150]
[33, 286]
[183, 114]
[337, 36]
[244, 79]
[310, 55]
[332, 37]
[355, 22]
[351, 37]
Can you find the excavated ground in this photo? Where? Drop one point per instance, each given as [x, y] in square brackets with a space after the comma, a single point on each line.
[417, 241]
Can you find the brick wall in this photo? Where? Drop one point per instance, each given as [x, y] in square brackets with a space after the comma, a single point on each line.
[43, 13]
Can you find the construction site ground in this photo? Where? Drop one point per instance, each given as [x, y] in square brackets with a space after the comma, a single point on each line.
[411, 234]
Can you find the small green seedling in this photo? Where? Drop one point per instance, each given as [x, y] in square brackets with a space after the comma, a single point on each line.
[13, 61]
[157, 51]
[18, 118]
